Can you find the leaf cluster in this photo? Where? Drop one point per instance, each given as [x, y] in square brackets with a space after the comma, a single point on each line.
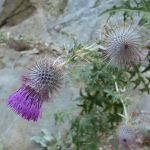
[85, 131]
[142, 7]
[140, 78]
[61, 115]
[99, 100]
[100, 89]
[50, 142]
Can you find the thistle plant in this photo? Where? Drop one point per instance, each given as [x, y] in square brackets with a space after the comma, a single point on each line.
[103, 100]
[40, 83]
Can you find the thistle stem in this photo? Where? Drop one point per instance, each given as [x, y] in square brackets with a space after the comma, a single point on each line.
[124, 107]
[79, 54]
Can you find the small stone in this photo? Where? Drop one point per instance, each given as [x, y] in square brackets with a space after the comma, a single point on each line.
[56, 48]
[46, 44]
[3, 44]
[57, 28]
[30, 52]
[143, 112]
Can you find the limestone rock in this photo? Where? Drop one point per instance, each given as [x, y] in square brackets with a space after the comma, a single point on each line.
[15, 11]
[56, 48]
[78, 17]
[31, 52]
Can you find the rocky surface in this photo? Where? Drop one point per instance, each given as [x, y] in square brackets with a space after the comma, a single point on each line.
[79, 17]
[16, 11]
[144, 105]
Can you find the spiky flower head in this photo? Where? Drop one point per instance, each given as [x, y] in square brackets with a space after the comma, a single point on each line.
[144, 129]
[40, 83]
[44, 77]
[26, 102]
[126, 135]
[124, 44]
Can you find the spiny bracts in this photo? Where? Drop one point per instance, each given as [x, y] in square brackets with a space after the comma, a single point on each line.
[126, 135]
[124, 44]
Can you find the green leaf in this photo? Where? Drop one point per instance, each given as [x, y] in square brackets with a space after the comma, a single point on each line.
[91, 105]
[148, 79]
[79, 99]
[142, 7]
[1, 146]
[146, 69]
[58, 136]
[87, 72]
[87, 50]
[46, 132]
[109, 93]
[38, 139]
[136, 82]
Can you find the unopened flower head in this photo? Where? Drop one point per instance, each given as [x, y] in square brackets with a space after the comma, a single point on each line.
[124, 44]
[26, 102]
[144, 129]
[57, 28]
[44, 77]
[126, 135]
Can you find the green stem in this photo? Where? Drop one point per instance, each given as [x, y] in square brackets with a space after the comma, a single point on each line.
[124, 107]
[79, 56]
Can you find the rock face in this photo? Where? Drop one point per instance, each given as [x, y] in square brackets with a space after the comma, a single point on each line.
[37, 19]
[16, 11]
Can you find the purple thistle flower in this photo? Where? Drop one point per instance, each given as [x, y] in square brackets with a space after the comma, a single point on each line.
[124, 44]
[126, 135]
[26, 102]
[40, 83]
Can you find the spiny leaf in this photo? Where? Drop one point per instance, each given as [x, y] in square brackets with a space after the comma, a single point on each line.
[141, 7]
[38, 139]
[146, 69]
[136, 82]
[148, 79]
[46, 132]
